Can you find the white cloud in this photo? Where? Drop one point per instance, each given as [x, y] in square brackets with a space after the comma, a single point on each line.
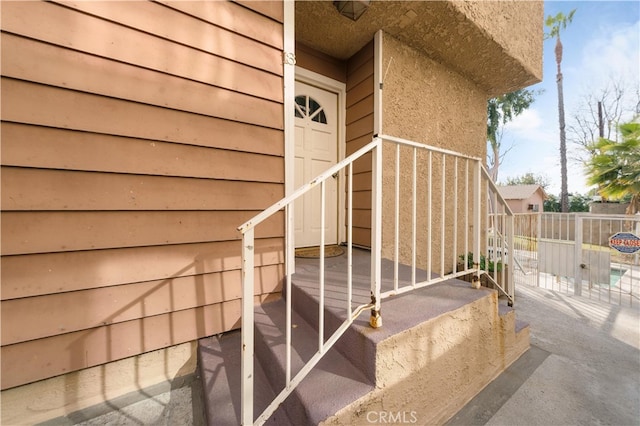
[527, 121]
[613, 54]
[529, 127]
[607, 51]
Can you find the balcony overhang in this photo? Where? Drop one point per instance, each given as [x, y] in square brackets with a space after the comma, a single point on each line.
[497, 45]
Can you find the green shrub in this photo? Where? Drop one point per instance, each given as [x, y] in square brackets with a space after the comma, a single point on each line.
[492, 267]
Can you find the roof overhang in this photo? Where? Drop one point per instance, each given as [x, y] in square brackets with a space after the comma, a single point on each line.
[498, 45]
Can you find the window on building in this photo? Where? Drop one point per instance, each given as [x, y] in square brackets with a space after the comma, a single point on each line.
[307, 107]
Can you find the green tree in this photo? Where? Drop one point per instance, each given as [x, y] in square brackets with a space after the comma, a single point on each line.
[529, 179]
[551, 204]
[616, 167]
[500, 111]
[555, 25]
[579, 203]
[599, 115]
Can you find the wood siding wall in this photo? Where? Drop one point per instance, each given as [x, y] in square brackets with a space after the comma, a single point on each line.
[136, 137]
[359, 133]
[316, 61]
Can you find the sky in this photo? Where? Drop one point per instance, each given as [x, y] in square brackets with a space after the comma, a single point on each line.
[602, 43]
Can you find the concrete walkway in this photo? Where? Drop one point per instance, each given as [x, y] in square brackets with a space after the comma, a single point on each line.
[583, 368]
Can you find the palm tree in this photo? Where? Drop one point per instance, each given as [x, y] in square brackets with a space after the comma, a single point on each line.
[555, 24]
[616, 167]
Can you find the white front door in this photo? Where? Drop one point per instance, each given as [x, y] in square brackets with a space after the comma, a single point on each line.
[316, 150]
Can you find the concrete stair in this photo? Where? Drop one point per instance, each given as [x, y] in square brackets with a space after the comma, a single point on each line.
[314, 400]
[437, 348]
[219, 370]
[333, 384]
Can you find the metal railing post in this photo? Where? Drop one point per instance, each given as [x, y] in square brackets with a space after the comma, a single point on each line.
[509, 250]
[376, 233]
[246, 387]
[443, 211]
[396, 221]
[477, 217]
[414, 207]
[290, 270]
[321, 279]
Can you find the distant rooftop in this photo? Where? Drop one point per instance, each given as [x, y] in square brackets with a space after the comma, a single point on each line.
[519, 192]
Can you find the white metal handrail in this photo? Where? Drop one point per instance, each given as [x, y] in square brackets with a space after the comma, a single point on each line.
[500, 219]
[472, 169]
[466, 174]
[248, 238]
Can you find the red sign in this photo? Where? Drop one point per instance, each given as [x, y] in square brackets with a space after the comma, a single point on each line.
[625, 242]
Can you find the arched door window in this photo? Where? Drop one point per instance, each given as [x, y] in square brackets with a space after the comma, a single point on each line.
[307, 107]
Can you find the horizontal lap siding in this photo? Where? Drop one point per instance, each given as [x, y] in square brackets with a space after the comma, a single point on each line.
[45, 147]
[68, 311]
[313, 60]
[59, 108]
[58, 231]
[96, 346]
[42, 189]
[136, 137]
[49, 273]
[359, 132]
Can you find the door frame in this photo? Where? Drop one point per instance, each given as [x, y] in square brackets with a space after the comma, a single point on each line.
[340, 89]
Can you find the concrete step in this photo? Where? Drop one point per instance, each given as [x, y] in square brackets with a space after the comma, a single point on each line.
[521, 325]
[358, 349]
[437, 348]
[219, 370]
[441, 343]
[516, 333]
[333, 384]
[399, 314]
[522, 339]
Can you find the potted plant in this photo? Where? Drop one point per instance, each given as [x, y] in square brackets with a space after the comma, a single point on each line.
[486, 265]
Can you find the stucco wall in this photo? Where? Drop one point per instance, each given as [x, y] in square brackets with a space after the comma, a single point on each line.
[608, 208]
[428, 103]
[535, 199]
[425, 374]
[522, 206]
[499, 19]
[497, 44]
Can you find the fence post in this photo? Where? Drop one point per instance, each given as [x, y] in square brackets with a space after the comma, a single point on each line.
[246, 367]
[637, 219]
[376, 233]
[577, 275]
[538, 241]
